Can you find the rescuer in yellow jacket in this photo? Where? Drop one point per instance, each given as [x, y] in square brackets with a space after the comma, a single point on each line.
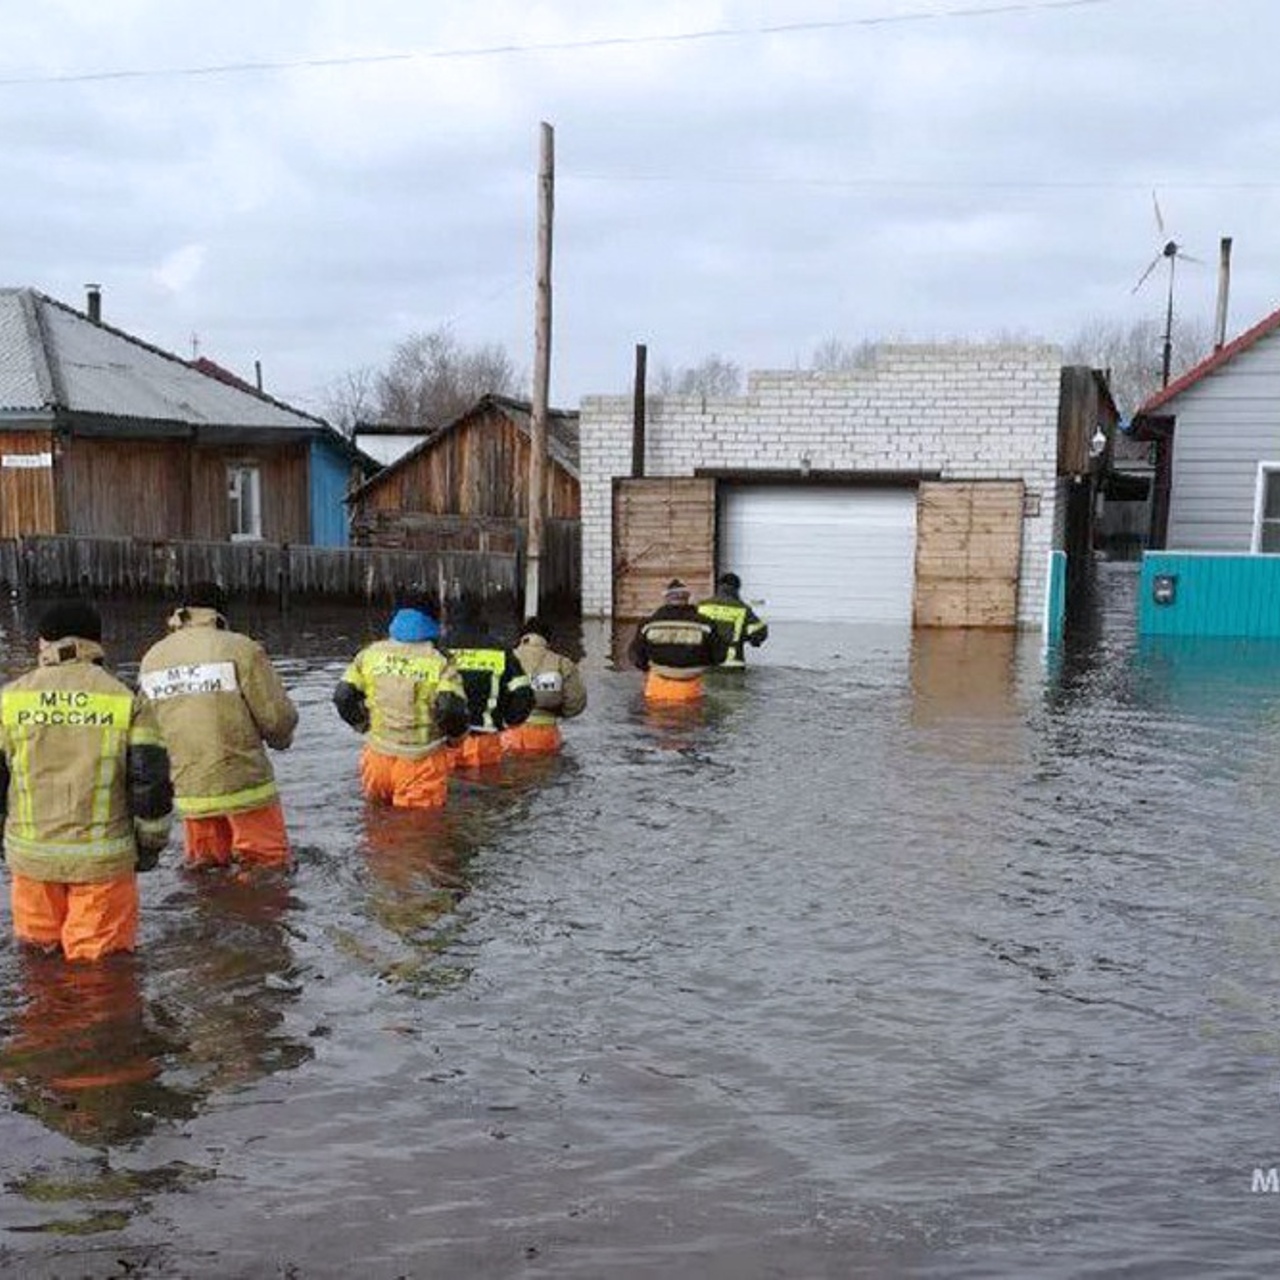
[219, 700]
[85, 793]
[674, 645]
[558, 693]
[407, 698]
[735, 620]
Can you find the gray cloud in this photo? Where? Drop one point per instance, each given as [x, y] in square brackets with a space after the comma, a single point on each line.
[750, 196]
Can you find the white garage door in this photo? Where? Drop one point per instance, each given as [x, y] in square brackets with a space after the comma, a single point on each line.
[821, 554]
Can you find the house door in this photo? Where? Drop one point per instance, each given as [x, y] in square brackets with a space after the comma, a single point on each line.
[968, 552]
[663, 528]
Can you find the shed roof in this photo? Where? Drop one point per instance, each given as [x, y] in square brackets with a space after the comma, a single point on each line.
[562, 436]
[1210, 364]
[54, 357]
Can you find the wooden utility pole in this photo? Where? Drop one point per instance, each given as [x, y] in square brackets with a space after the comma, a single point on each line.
[541, 374]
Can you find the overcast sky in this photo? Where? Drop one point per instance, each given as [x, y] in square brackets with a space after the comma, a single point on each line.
[739, 177]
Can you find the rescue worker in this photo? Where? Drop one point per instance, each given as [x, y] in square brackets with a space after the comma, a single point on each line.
[736, 621]
[558, 693]
[219, 700]
[675, 644]
[407, 697]
[499, 694]
[85, 792]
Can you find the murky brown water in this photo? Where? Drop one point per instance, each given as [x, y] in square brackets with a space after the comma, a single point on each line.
[910, 956]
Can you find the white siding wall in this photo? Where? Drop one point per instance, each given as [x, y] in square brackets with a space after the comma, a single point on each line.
[967, 412]
[1226, 425]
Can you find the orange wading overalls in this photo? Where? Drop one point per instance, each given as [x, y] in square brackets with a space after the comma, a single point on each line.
[85, 795]
[408, 699]
[558, 694]
[219, 699]
[675, 645]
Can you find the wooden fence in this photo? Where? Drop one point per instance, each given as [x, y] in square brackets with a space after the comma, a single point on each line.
[136, 567]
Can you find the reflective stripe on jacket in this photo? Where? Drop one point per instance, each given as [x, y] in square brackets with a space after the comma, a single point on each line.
[66, 730]
[218, 700]
[399, 682]
[676, 642]
[498, 691]
[558, 691]
[737, 624]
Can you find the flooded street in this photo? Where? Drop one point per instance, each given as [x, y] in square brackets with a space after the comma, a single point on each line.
[905, 956]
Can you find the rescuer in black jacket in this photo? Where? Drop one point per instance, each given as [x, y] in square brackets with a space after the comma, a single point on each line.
[499, 693]
[675, 644]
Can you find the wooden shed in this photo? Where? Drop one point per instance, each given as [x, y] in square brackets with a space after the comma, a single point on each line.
[103, 435]
[465, 487]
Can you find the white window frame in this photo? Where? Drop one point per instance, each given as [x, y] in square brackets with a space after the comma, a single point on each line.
[242, 475]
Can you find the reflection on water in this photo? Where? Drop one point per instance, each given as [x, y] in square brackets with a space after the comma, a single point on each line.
[925, 955]
[83, 1055]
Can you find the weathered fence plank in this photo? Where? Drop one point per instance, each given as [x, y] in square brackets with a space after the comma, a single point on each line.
[130, 566]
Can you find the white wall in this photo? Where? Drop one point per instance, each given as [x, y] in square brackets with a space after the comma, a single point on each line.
[965, 411]
[1226, 424]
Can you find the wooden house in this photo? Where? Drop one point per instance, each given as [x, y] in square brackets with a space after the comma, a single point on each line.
[103, 435]
[465, 487]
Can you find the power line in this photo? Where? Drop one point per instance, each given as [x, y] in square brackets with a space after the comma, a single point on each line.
[562, 46]
[890, 184]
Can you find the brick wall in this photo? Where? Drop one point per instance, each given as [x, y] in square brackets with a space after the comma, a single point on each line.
[965, 411]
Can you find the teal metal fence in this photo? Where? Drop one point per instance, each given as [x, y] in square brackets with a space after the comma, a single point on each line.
[1195, 593]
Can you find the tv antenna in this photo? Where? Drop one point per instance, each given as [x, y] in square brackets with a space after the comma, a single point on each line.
[1171, 253]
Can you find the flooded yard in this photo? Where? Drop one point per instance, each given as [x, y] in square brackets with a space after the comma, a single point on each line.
[907, 955]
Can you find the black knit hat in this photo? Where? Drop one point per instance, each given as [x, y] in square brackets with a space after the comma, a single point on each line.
[731, 582]
[536, 626]
[206, 595]
[71, 618]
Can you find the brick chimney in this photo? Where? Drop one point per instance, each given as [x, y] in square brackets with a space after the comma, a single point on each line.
[93, 304]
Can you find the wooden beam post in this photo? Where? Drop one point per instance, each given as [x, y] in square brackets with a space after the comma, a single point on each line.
[541, 373]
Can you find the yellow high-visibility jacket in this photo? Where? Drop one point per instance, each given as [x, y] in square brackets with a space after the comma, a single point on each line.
[398, 692]
[218, 700]
[84, 770]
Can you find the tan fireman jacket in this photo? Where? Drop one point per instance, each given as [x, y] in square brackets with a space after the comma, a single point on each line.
[400, 681]
[558, 691]
[65, 732]
[218, 699]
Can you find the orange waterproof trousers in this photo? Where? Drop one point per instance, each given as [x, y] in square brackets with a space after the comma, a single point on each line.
[476, 751]
[663, 689]
[406, 784]
[255, 837]
[532, 739]
[88, 921]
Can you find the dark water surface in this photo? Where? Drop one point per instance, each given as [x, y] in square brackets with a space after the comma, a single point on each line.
[909, 956]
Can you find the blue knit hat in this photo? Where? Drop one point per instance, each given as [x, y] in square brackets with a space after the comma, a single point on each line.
[409, 625]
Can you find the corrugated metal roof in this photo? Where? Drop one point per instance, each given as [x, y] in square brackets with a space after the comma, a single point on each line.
[21, 386]
[100, 370]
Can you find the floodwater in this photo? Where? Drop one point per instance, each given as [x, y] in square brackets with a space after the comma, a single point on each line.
[907, 956]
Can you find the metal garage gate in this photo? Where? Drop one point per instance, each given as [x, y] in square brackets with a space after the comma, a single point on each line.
[808, 553]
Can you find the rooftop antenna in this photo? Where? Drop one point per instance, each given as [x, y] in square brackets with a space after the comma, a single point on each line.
[1172, 253]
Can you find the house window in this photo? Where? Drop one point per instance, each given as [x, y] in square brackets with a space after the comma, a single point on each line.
[244, 493]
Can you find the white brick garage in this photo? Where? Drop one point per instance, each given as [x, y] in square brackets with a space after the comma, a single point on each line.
[952, 413]
[821, 554]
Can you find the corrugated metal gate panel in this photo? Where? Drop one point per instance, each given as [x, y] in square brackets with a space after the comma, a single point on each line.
[822, 554]
[664, 528]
